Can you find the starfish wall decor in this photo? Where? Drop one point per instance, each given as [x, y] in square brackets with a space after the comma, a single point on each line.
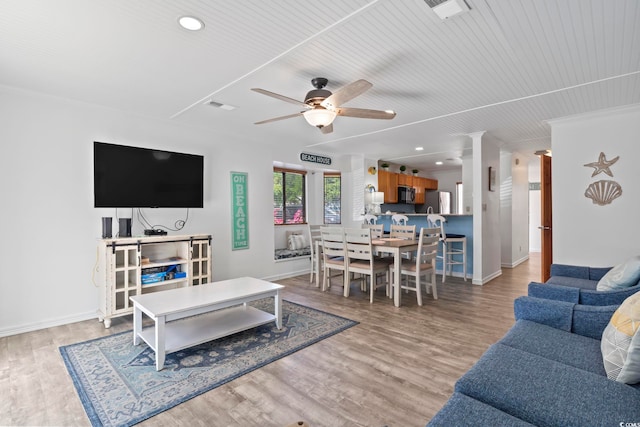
[602, 165]
[603, 192]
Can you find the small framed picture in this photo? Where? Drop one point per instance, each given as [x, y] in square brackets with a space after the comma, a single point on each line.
[492, 179]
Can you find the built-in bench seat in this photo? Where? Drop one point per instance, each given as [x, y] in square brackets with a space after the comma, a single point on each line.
[292, 253]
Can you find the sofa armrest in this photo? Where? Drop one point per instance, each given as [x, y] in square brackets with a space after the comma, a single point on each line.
[577, 271]
[557, 314]
[554, 292]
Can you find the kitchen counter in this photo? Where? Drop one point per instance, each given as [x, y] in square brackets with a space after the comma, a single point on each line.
[456, 224]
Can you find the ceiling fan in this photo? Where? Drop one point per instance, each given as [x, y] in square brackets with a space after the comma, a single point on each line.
[322, 106]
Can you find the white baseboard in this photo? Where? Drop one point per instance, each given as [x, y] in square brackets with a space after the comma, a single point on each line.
[516, 263]
[50, 323]
[488, 278]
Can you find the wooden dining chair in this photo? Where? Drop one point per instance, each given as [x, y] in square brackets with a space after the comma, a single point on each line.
[406, 232]
[424, 264]
[377, 230]
[314, 236]
[333, 255]
[361, 260]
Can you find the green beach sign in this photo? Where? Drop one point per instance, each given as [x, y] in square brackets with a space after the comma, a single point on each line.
[239, 211]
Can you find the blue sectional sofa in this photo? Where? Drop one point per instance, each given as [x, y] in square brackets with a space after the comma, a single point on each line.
[577, 284]
[546, 371]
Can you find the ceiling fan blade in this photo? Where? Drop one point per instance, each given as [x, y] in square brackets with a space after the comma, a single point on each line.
[346, 93]
[365, 114]
[327, 129]
[275, 119]
[280, 97]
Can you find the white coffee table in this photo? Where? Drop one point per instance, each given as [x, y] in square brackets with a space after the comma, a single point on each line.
[186, 317]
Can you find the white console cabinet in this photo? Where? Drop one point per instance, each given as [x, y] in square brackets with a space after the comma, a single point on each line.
[122, 262]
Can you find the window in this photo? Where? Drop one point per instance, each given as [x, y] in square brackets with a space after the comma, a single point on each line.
[459, 199]
[331, 199]
[288, 196]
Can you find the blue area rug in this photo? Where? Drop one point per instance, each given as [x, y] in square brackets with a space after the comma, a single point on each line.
[119, 386]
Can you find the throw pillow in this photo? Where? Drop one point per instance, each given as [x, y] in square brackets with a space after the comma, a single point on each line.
[620, 343]
[297, 241]
[621, 276]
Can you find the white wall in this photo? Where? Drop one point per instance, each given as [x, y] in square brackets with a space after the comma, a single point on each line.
[467, 184]
[535, 213]
[50, 228]
[486, 210]
[585, 233]
[514, 210]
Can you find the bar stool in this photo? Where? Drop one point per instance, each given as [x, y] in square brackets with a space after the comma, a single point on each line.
[449, 251]
[398, 219]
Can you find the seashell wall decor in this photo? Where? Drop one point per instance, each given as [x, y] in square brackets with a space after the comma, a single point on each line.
[603, 192]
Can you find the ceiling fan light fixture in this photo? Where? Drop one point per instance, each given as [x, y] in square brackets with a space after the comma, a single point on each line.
[319, 117]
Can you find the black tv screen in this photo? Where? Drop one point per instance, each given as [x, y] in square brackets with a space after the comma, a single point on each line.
[133, 177]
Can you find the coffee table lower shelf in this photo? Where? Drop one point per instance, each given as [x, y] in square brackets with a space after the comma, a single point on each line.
[196, 330]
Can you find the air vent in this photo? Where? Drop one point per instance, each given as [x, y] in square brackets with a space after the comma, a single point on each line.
[220, 105]
[445, 9]
[434, 3]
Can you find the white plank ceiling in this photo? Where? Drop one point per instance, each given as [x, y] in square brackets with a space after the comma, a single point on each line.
[504, 67]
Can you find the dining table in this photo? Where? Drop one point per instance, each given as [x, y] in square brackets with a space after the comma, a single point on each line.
[388, 245]
[395, 246]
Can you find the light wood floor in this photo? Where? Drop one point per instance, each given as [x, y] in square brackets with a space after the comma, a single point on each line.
[396, 368]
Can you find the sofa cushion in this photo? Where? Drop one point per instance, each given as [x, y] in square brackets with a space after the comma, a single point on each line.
[555, 344]
[621, 276]
[545, 392]
[572, 282]
[621, 342]
[462, 411]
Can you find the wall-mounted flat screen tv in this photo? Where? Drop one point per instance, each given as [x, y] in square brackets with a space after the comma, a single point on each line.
[133, 177]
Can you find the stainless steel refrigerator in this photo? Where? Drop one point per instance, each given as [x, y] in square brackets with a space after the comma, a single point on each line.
[440, 201]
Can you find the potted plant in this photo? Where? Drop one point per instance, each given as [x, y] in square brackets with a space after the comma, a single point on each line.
[384, 166]
[415, 171]
[403, 168]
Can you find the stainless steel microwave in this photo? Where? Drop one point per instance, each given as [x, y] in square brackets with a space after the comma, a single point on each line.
[407, 195]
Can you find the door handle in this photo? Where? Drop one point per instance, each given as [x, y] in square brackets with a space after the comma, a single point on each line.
[542, 227]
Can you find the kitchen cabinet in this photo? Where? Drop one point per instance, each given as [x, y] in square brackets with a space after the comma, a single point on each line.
[431, 184]
[420, 184]
[405, 180]
[388, 184]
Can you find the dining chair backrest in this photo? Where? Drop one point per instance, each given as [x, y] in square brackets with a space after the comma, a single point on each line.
[407, 232]
[358, 244]
[399, 219]
[314, 235]
[377, 230]
[427, 248]
[332, 242]
[370, 219]
[437, 221]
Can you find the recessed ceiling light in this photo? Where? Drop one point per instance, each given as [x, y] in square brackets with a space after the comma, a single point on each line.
[191, 23]
[419, 148]
[438, 163]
